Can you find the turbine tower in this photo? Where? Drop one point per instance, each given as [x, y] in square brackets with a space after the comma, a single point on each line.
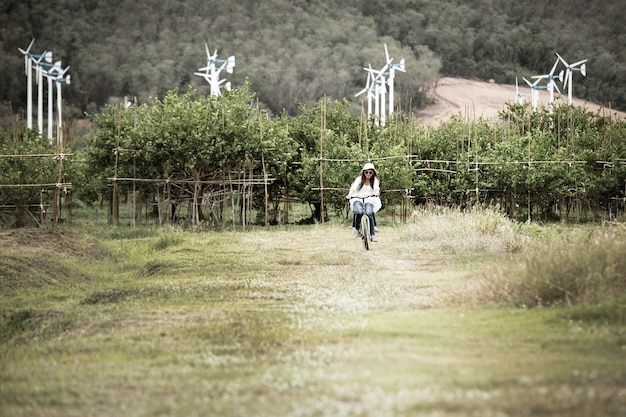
[551, 84]
[28, 70]
[569, 68]
[61, 79]
[519, 97]
[40, 72]
[51, 75]
[534, 87]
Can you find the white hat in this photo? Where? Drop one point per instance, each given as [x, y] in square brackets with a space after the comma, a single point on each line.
[367, 166]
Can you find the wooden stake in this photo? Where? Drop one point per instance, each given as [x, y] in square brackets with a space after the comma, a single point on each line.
[322, 128]
[267, 219]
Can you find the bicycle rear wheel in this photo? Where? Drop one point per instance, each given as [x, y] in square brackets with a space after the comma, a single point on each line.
[365, 231]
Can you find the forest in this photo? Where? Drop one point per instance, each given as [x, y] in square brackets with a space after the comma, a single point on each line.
[300, 51]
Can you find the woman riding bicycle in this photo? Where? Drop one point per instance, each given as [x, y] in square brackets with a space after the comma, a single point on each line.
[365, 185]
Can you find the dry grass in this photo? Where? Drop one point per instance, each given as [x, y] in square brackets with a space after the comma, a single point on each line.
[479, 230]
[585, 270]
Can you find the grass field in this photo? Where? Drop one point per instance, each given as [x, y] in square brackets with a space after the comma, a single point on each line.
[301, 321]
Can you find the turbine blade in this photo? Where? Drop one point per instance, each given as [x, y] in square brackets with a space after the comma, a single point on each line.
[554, 67]
[361, 92]
[578, 63]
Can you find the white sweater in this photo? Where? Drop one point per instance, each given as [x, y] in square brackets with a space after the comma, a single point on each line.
[366, 190]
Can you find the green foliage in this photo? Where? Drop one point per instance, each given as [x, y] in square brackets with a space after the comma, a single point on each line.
[533, 164]
[28, 173]
[611, 311]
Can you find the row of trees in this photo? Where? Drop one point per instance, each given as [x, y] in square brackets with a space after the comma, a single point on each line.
[202, 151]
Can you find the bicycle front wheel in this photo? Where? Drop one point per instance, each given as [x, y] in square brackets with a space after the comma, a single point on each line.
[365, 232]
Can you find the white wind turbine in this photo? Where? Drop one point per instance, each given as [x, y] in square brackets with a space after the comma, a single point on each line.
[41, 61]
[380, 81]
[371, 92]
[51, 75]
[381, 93]
[28, 70]
[519, 97]
[211, 71]
[534, 92]
[569, 68]
[61, 79]
[392, 74]
[551, 84]
[227, 65]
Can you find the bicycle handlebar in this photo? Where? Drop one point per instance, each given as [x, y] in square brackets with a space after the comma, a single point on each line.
[361, 198]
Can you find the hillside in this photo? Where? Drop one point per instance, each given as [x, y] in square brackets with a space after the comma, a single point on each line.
[298, 52]
[474, 99]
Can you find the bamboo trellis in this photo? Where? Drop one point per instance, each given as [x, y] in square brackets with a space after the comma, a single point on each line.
[58, 187]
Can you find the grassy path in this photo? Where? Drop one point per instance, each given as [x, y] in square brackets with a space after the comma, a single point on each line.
[290, 322]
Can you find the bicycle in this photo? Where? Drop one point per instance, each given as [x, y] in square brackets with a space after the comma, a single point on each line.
[365, 227]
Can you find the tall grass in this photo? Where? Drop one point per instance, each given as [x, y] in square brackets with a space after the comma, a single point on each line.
[455, 231]
[546, 264]
[583, 270]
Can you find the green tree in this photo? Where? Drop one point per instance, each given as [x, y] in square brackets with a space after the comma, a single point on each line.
[28, 174]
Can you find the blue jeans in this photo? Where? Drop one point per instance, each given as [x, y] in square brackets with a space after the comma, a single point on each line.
[368, 210]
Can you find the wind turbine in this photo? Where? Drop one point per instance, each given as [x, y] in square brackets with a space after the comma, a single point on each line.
[569, 68]
[227, 65]
[534, 92]
[519, 97]
[51, 75]
[380, 81]
[551, 84]
[211, 72]
[392, 74]
[39, 71]
[61, 79]
[380, 93]
[29, 84]
[371, 94]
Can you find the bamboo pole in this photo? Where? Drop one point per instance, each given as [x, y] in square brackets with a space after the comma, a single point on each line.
[114, 199]
[267, 220]
[322, 128]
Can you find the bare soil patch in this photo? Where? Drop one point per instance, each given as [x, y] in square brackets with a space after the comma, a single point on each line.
[474, 99]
